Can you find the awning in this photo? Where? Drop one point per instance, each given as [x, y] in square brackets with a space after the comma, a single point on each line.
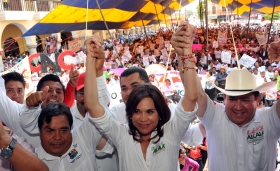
[71, 15]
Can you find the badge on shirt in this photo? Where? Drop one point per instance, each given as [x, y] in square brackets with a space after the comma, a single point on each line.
[255, 135]
[73, 154]
[158, 148]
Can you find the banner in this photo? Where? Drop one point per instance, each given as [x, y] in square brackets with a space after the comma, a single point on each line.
[222, 37]
[247, 61]
[23, 68]
[215, 44]
[226, 57]
[50, 44]
[262, 39]
[75, 45]
[197, 47]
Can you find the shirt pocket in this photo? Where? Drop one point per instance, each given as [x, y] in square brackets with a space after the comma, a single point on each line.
[257, 153]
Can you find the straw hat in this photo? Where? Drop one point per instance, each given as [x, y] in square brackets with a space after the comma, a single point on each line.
[223, 67]
[241, 81]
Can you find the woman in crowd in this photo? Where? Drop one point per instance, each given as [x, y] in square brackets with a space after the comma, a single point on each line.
[150, 137]
[185, 162]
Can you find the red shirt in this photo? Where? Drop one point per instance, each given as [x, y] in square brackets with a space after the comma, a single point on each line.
[195, 154]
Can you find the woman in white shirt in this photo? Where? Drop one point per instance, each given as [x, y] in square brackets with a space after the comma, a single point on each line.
[150, 141]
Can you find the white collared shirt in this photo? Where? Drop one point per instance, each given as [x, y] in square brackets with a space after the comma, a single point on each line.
[251, 147]
[160, 156]
[29, 115]
[81, 154]
[192, 136]
[103, 161]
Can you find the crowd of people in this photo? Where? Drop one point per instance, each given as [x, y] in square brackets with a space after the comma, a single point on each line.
[232, 124]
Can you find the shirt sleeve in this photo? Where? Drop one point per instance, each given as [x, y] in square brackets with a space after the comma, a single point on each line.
[69, 95]
[103, 93]
[10, 111]
[178, 125]
[108, 126]
[211, 117]
[88, 133]
[192, 163]
[29, 119]
[107, 149]
[273, 120]
[193, 135]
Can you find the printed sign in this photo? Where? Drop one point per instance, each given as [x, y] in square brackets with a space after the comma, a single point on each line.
[226, 57]
[75, 45]
[247, 61]
[222, 37]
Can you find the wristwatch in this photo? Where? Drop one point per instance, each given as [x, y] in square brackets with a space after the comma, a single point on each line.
[8, 151]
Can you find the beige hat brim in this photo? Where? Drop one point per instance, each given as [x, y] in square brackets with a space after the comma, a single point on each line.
[262, 88]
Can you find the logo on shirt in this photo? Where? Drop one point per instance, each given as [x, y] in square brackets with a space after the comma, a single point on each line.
[73, 153]
[256, 134]
[158, 148]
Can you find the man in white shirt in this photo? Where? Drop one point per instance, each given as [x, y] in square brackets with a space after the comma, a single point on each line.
[78, 111]
[239, 137]
[62, 150]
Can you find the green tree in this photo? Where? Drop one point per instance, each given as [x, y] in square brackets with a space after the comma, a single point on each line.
[188, 13]
[276, 16]
[201, 9]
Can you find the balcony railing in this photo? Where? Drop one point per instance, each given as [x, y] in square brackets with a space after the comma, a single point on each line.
[27, 5]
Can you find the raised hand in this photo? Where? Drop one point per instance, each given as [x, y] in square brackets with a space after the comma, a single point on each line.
[73, 76]
[37, 98]
[96, 52]
[183, 38]
[274, 51]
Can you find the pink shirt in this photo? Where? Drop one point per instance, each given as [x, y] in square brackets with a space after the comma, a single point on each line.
[192, 163]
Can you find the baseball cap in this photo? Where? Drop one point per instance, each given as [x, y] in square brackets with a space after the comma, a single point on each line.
[81, 81]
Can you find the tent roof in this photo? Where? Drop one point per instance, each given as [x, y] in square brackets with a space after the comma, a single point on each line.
[243, 6]
[71, 15]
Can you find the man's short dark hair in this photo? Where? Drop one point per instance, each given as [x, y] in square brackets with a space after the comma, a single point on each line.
[49, 77]
[54, 109]
[256, 94]
[142, 73]
[14, 76]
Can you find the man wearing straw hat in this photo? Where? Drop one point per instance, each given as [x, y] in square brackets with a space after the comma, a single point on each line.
[239, 137]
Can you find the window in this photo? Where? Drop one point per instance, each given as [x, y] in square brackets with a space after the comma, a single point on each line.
[213, 10]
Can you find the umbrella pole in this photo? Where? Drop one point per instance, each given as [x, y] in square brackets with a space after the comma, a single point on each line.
[233, 41]
[249, 22]
[272, 15]
[206, 38]
[179, 12]
[147, 38]
[109, 33]
[164, 18]
[171, 19]
[166, 67]
[157, 14]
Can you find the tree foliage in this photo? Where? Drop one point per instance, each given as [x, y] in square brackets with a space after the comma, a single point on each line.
[276, 16]
[201, 9]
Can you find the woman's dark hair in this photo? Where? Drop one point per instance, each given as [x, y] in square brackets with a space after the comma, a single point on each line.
[138, 94]
[14, 76]
[54, 109]
[49, 77]
[180, 150]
